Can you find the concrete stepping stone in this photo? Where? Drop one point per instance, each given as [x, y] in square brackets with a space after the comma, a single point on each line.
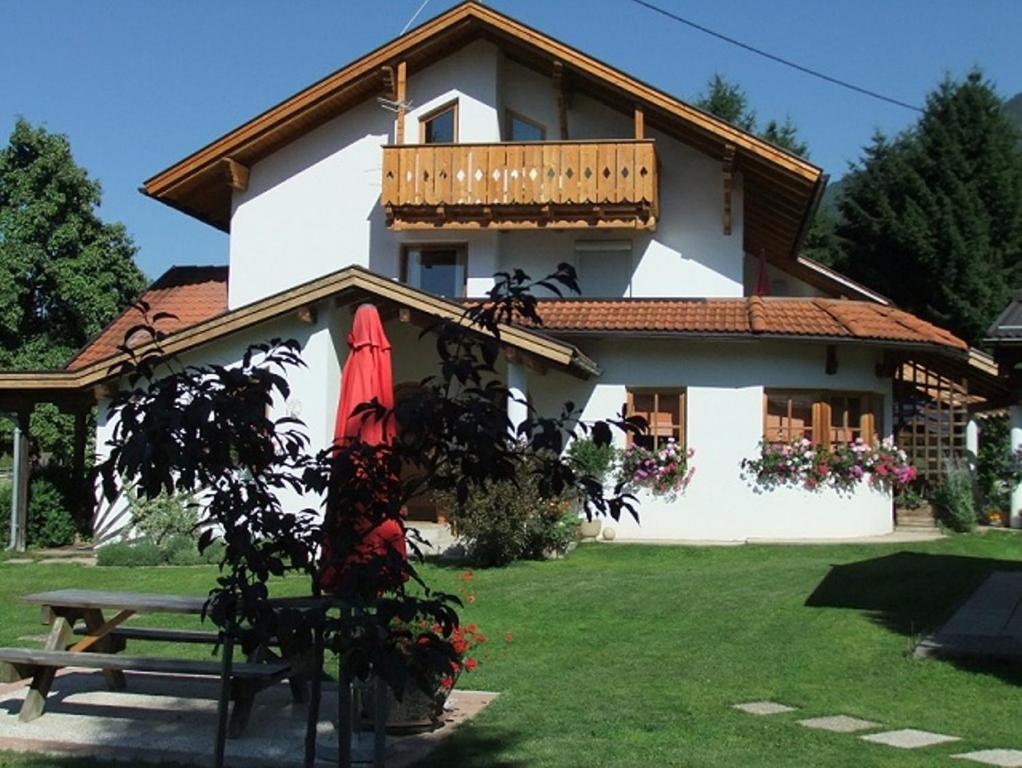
[908, 738]
[1005, 758]
[763, 707]
[839, 724]
[19, 560]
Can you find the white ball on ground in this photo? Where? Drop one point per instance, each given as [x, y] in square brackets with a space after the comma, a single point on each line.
[609, 533]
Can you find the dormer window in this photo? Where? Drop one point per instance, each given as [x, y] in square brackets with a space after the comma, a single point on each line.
[440, 126]
[437, 269]
[521, 128]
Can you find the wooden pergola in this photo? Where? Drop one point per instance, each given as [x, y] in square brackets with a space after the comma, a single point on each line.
[936, 401]
[46, 387]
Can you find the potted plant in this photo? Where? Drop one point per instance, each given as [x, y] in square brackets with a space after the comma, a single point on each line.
[595, 459]
[421, 707]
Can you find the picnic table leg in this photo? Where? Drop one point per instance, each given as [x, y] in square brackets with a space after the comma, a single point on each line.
[244, 698]
[61, 631]
[94, 623]
[314, 699]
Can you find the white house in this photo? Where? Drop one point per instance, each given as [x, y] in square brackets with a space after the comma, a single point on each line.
[474, 144]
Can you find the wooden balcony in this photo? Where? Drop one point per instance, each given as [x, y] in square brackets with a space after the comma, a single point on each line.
[549, 184]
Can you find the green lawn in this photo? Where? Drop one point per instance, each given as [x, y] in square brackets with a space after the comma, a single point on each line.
[632, 656]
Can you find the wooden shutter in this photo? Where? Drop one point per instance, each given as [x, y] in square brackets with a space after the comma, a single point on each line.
[867, 420]
[821, 422]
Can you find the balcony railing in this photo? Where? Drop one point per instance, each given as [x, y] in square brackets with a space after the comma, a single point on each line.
[552, 184]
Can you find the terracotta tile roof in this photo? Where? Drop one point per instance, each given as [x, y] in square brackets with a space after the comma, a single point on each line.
[193, 294]
[824, 318]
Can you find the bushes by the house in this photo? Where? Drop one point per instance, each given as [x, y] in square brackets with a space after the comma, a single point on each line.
[175, 550]
[50, 523]
[954, 498]
[167, 533]
[164, 517]
[509, 521]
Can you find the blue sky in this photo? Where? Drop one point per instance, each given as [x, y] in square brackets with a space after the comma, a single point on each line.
[138, 85]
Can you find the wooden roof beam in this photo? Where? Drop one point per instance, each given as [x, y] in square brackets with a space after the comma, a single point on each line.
[235, 174]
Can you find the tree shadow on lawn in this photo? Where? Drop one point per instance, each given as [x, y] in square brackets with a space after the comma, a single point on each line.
[473, 746]
[913, 593]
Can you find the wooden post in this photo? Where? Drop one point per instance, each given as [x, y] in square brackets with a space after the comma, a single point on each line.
[19, 491]
[402, 82]
[640, 123]
[82, 508]
[729, 177]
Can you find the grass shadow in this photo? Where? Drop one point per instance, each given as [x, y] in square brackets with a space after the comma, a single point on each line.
[912, 594]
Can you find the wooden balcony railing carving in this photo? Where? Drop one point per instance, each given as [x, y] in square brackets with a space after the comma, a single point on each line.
[552, 184]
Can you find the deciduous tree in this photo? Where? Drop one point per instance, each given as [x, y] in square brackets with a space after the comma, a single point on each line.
[64, 273]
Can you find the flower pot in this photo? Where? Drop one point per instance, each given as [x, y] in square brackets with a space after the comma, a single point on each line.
[590, 529]
[417, 711]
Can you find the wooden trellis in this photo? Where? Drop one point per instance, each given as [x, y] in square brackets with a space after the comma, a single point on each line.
[931, 414]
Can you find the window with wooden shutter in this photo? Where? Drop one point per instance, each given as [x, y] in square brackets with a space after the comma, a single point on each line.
[664, 412]
[825, 418]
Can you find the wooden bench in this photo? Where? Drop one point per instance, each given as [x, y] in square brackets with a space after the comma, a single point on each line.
[247, 678]
[201, 637]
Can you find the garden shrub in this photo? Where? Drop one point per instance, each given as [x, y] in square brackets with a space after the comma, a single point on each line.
[508, 520]
[50, 523]
[592, 458]
[954, 498]
[166, 516]
[994, 463]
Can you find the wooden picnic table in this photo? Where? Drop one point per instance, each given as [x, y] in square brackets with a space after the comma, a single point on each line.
[105, 638]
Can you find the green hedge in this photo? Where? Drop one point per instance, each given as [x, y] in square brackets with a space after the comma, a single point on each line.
[174, 550]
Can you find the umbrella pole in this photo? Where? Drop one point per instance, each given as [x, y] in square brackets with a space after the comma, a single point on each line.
[343, 701]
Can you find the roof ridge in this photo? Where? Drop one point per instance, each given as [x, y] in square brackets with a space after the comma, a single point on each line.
[833, 309]
[757, 314]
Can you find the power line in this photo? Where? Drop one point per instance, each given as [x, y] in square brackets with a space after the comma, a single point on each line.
[805, 70]
[415, 16]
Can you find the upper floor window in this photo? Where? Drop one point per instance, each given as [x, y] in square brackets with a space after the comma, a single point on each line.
[826, 418]
[521, 128]
[438, 269]
[664, 412]
[440, 126]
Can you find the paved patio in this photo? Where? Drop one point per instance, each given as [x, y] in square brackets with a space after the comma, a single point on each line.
[988, 625]
[161, 718]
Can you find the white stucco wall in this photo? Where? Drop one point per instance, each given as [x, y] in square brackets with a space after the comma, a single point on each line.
[313, 206]
[314, 392]
[725, 383]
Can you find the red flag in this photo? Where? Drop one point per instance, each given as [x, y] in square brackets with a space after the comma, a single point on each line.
[763, 279]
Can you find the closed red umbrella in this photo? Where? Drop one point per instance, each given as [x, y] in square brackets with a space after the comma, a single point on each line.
[367, 375]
